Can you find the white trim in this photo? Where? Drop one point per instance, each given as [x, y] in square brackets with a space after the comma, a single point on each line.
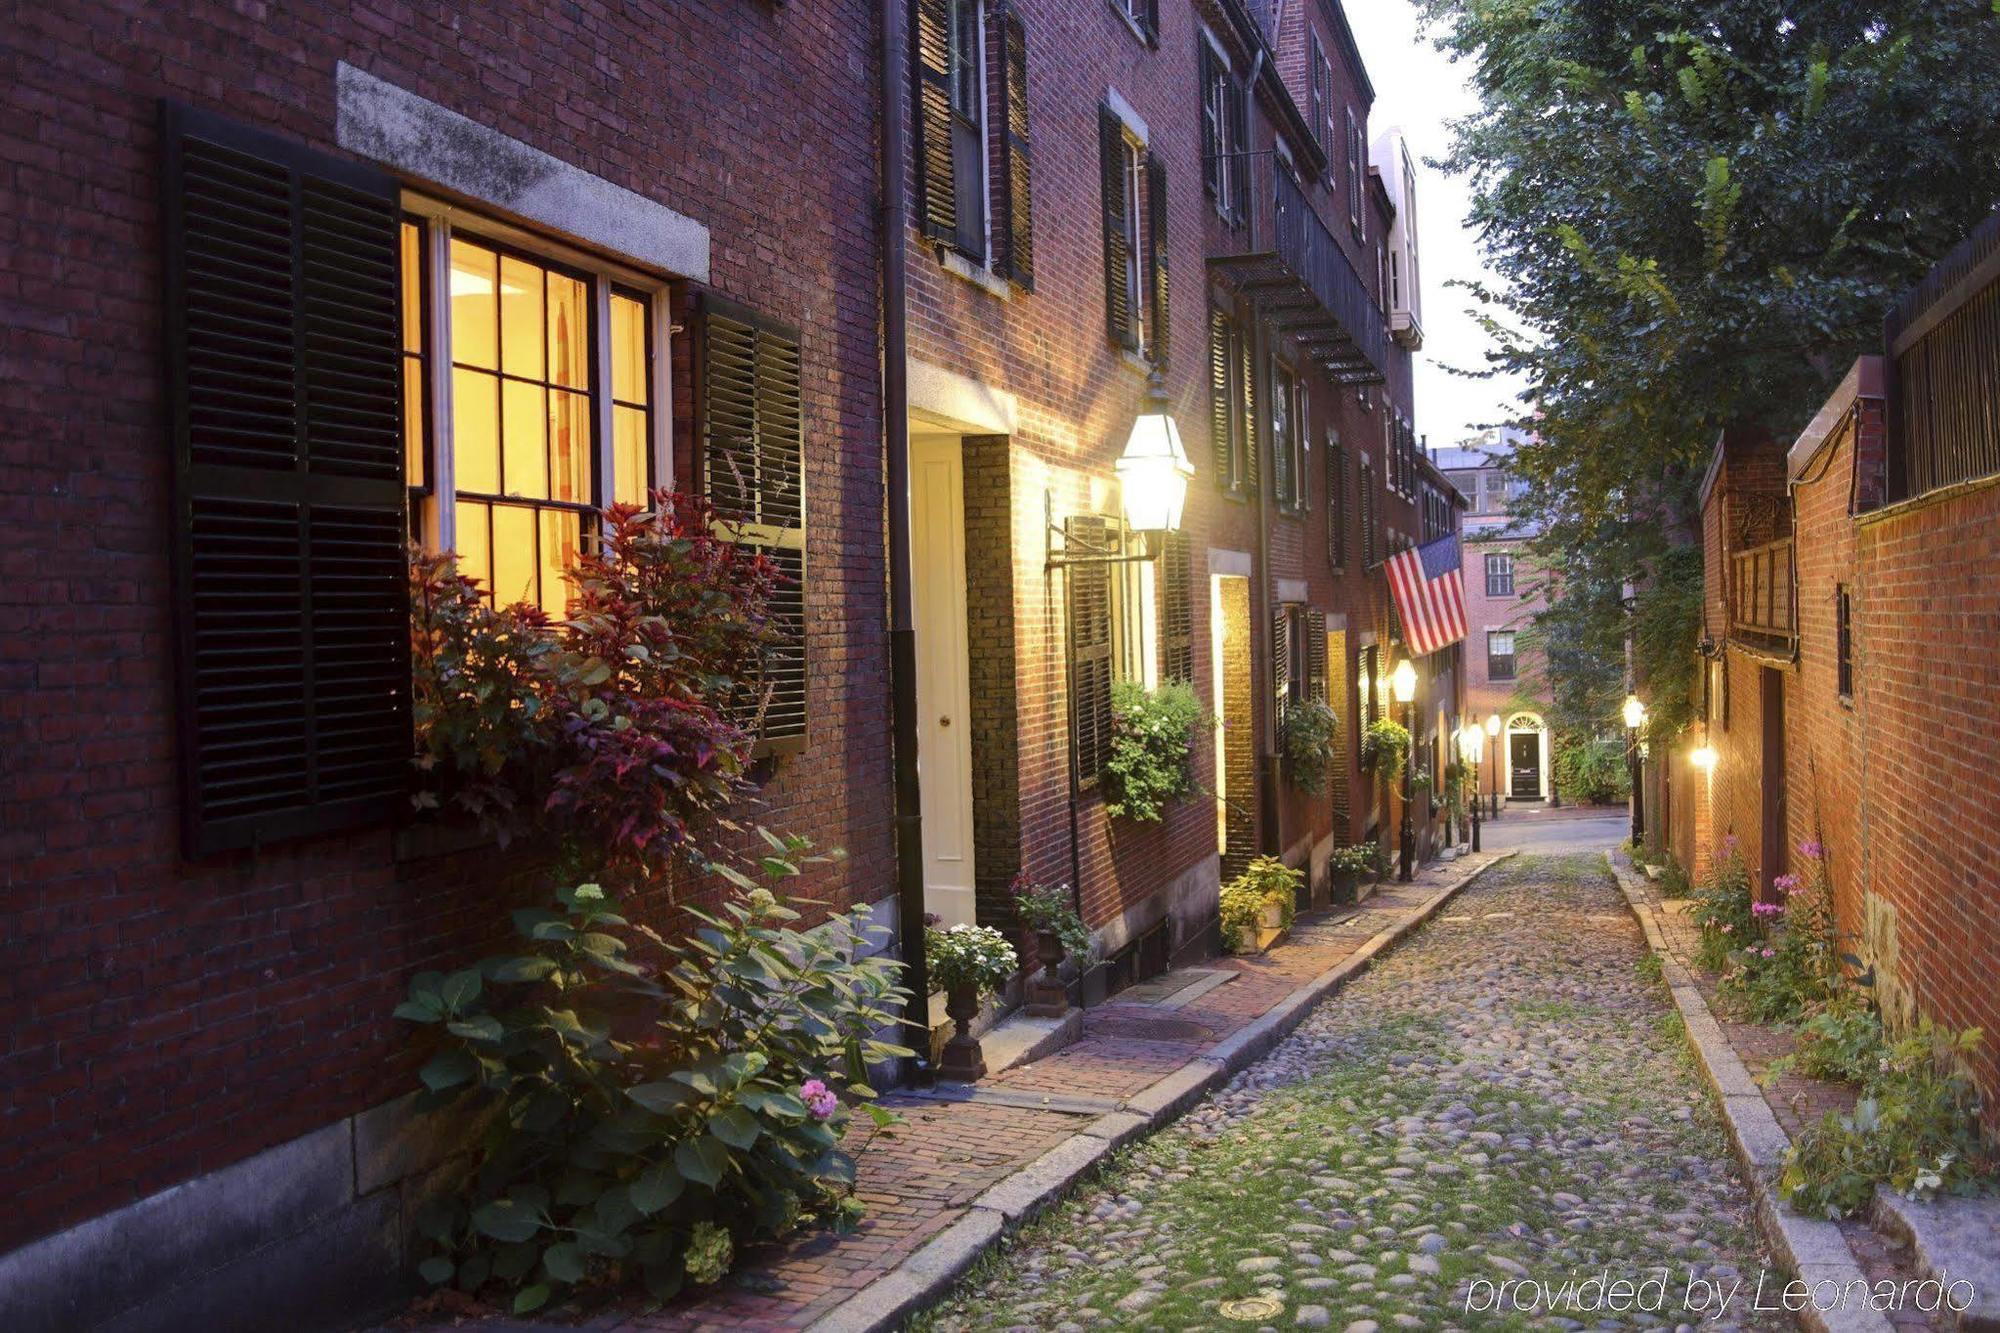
[1215, 47]
[420, 138]
[442, 472]
[660, 384]
[1293, 590]
[1235, 564]
[979, 275]
[956, 402]
[1135, 124]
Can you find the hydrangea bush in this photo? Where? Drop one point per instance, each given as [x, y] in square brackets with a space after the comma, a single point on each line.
[1153, 734]
[975, 957]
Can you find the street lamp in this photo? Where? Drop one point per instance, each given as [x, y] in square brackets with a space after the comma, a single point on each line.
[1493, 772]
[1635, 718]
[1703, 757]
[1472, 740]
[1153, 471]
[1403, 682]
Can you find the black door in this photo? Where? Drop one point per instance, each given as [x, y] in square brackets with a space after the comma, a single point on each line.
[1774, 830]
[1524, 756]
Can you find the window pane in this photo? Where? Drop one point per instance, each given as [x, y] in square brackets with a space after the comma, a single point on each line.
[569, 447]
[569, 332]
[629, 456]
[520, 318]
[475, 431]
[474, 313]
[562, 535]
[475, 551]
[413, 422]
[413, 288]
[526, 446]
[628, 350]
[514, 560]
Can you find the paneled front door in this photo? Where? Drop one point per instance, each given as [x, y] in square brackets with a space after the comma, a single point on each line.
[1524, 761]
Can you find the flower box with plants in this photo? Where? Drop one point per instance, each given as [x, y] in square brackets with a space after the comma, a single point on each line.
[1049, 910]
[1348, 867]
[967, 963]
[1153, 735]
[1258, 905]
[1385, 746]
[1309, 733]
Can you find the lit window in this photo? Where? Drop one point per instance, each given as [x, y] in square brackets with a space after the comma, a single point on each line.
[1134, 615]
[1500, 654]
[539, 414]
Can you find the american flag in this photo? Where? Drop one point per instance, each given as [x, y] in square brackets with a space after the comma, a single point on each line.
[1429, 589]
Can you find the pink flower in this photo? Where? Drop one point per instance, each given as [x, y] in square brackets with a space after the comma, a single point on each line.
[1786, 883]
[1727, 928]
[819, 1099]
[1767, 909]
[1768, 953]
[1811, 850]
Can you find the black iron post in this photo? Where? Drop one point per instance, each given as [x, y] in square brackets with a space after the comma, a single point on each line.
[1409, 833]
[1637, 770]
[1475, 807]
[1493, 781]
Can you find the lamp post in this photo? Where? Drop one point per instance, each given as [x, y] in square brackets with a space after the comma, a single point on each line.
[1404, 682]
[1493, 771]
[1471, 740]
[1635, 718]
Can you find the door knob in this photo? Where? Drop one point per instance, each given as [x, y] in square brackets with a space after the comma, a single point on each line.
[944, 722]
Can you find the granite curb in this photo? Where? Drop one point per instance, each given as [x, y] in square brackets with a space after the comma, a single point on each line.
[926, 1275]
[1812, 1248]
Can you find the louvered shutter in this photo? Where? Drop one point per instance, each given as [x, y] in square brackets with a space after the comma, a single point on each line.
[1284, 484]
[752, 466]
[1316, 656]
[1281, 654]
[1089, 651]
[1211, 128]
[1111, 172]
[1336, 504]
[1247, 383]
[291, 579]
[937, 184]
[1017, 211]
[1221, 410]
[1149, 20]
[1176, 611]
[1156, 236]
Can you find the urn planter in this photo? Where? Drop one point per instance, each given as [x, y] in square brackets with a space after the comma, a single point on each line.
[964, 1061]
[1047, 996]
[1346, 885]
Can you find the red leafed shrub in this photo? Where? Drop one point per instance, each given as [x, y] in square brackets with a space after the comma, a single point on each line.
[610, 732]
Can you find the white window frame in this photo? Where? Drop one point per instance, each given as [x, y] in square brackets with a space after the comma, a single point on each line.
[1132, 173]
[437, 222]
[1135, 616]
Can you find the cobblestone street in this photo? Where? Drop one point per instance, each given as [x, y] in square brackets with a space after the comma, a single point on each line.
[1504, 1099]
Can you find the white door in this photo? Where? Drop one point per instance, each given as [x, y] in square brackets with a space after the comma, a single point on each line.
[944, 733]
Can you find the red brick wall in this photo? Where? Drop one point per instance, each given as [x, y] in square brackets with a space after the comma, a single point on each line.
[167, 1018]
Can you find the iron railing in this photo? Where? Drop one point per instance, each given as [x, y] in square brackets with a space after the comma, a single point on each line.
[1289, 262]
[1944, 340]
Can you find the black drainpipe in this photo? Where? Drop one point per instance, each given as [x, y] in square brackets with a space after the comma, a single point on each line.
[1265, 682]
[896, 470]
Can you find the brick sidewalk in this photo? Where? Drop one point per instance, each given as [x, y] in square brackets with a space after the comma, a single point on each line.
[923, 1178]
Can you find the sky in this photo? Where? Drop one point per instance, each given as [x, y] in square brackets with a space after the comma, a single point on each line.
[1417, 88]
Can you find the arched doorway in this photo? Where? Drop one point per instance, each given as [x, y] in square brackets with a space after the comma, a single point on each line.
[1525, 758]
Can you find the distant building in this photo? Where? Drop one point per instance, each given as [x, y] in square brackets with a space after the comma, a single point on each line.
[1502, 594]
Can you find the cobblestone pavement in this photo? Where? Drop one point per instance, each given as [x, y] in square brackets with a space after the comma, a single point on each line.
[1504, 1099]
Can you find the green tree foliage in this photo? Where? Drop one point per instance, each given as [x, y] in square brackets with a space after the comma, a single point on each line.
[1697, 212]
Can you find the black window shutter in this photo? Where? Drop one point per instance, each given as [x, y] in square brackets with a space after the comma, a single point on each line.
[1017, 210]
[937, 185]
[751, 421]
[1111, 163]
[1336, 504]
[290, 572]
[1238, 99]
[1246, 357]
[1283, 484]
[1156, 235]
[1149, 20]
[1316, 656]
[1211, 127]
[1281, 654]
[1221, 408]
[1089, 650]
[1176, 611]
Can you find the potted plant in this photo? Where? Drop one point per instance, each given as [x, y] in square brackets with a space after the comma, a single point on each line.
[1384, 747]
[1050, 911]
[1153, 735]
[1308, 730]
[966, 963]
[1347, 866]
[1258, 905]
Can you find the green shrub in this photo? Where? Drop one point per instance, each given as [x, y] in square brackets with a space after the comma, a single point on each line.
[1843, 1042]
[1266, 880]
[1152, 749]
[1723, 910]
[1915, 1129]
[1591, 771]
[1673, 881]
[656, 1104]
[1796, 968]
[1385, 747]
[1310, 734]
[1356, 860]
[975, 956]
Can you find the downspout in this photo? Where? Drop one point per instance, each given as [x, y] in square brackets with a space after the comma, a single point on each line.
[1265, 683]
[894, 223]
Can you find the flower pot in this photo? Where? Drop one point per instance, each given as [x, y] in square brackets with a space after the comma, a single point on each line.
[1345, 882]
[964, 1061]
[1047, 996]
[1273, 916]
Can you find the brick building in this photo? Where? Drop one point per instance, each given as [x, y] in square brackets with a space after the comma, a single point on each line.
[1503, 591]
[1848, 695]
[297, 280]
[201, 969]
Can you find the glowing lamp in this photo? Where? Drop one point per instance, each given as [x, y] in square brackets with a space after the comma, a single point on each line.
[1704, 758]
[1471, 742]
[1493, 724]
[1153, 471]
[1635, 712]
[1403, 680]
